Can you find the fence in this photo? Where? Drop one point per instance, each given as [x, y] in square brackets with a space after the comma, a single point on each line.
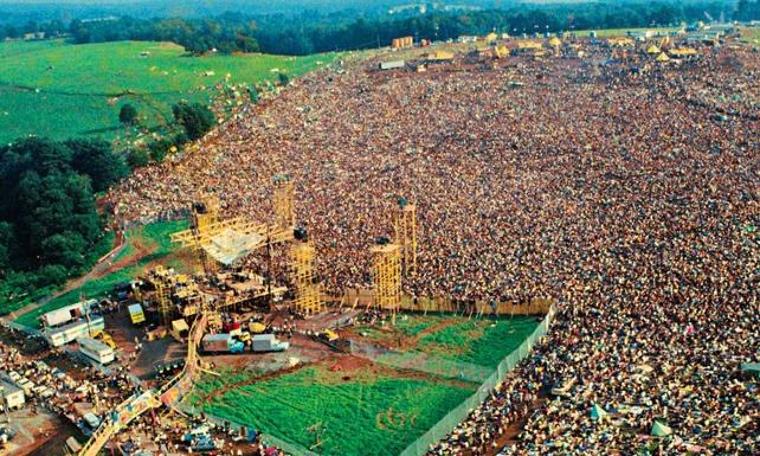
[363, 297]
[461, 412]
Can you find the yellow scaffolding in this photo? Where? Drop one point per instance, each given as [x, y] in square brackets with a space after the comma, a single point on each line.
[386, 276]
[405, 228]
[284, 207]
[162, 298]
[307, 294]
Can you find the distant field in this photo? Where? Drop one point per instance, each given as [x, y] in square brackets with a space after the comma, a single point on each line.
[145, 245]
[58, 90]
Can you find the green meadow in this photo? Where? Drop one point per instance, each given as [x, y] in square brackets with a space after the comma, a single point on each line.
[59, 90]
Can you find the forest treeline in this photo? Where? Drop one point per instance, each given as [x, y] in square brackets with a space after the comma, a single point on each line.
[312, 32]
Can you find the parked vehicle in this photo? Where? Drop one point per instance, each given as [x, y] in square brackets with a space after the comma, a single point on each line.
[221, 343]
[268, 343]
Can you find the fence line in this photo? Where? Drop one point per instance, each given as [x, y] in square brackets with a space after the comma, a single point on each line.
[447, 424]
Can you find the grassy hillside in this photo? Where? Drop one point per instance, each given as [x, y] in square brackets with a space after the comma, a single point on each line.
[146, 246]
[59, 90]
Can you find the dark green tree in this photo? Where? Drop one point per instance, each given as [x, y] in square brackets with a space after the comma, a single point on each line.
[128, 115]
[138, 158]
[283, 79]
[196, 119]
[97, 159]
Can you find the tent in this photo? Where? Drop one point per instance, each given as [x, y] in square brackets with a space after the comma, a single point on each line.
[653, 49]
[555, 42]
[751, 368]
[661, 430]
[663, 57]
[598, 413]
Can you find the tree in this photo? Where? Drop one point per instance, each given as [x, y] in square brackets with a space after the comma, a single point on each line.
[253, 93]
[97, 159]
[283, 78]
[138, 158]
[128, 114]
[196, 118]
[159, 149]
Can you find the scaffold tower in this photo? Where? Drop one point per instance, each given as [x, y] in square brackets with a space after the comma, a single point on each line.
[307, 294]
[284, 207]
[162, 298]
[405, 228]
[386, 276]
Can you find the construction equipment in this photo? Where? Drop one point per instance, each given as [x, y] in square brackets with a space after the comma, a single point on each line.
[106, 339]
[268, 343]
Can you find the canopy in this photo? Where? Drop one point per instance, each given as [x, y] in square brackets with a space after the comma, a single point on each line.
[663, 57]
[661, 430]
[598, 413]
[230, 245]
[180, 325]
[683, 51]
[752, 368]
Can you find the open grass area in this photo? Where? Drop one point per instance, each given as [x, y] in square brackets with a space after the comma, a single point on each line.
[152, 239]
[380, 404]
[362, 412]
[751, 35]
[479, 341]
[60, 90]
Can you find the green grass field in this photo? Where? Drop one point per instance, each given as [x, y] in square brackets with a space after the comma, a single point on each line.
[59, 90]
[154, 237]
[369, 414]
[375, 408]
[751, 35]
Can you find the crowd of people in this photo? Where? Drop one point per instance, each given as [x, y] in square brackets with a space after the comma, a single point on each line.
[629, 197]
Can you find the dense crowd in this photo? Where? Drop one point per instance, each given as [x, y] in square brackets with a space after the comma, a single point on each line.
[629, 196]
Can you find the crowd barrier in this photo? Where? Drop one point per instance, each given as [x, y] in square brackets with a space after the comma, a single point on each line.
[447, 424]
[362, 297]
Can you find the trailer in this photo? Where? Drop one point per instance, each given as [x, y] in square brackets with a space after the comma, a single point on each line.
[13, 396]
[392, 65]
[268, 343]
[221, 343]
[96, 350]
[62, 335]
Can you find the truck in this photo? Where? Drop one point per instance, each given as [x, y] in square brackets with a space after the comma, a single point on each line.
[221, 343]
[136, 314]
[268, 343]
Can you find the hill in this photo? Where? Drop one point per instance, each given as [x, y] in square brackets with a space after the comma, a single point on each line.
[60, 90]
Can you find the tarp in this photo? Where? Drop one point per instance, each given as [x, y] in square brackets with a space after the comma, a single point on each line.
[180, 325]
[661, 430]
[598, 413]
[229, 245]
[752, 368]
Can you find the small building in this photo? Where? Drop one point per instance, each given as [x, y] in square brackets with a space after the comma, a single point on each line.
[13, 396]
[440, 56]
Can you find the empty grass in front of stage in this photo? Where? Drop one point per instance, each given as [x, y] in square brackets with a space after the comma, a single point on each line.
[372, 403]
